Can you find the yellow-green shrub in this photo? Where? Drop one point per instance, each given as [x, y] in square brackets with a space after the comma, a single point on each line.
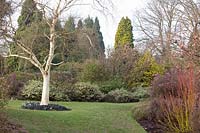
[144, 71]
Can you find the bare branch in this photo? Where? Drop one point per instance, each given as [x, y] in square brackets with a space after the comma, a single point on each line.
[57, 64]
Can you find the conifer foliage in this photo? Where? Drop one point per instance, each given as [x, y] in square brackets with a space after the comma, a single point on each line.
[29, 14]
[5, 7]
[99, 34]
[70, 25]
[124, 35]
[88, 22]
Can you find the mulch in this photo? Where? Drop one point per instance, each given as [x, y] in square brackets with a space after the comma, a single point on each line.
[150, 126]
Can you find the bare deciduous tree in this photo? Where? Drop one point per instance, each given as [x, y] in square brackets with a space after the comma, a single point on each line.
[158, 22]
[190, 44]
[171, 27]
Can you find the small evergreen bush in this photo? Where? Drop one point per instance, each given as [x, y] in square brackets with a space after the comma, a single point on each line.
[111, 85]
[141, 92]
[33, 91]
[120, 96]
[85, 92]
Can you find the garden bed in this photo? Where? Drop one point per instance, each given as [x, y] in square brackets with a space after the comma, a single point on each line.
[49, 107]
[149, 126]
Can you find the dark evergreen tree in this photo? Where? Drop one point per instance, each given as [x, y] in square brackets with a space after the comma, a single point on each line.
[88, 22]
[124, 34]
[80, 24]
[5, 7]
[99, 34]
[70, 25]
[29, 14]
[31, 31]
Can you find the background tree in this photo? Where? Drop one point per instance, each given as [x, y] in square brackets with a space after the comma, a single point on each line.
[29, 18]
[80, 24]
[121, 61]
[29, 14]
[70, 25]
[190, 44]
[5, 10]
[171, 29]
[88, 41]
[124, 35]
[160, 25]
[88, 22]
[99, 34]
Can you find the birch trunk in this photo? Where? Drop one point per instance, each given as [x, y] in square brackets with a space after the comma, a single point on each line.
[46, 72]
[45, 90]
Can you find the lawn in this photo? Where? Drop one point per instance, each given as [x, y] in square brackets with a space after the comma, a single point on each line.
[84, 118]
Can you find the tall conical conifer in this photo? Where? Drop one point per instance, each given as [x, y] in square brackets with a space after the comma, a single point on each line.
[99, 34]
[124, 34]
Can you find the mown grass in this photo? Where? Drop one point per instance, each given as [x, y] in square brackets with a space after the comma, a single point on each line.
[84, 118]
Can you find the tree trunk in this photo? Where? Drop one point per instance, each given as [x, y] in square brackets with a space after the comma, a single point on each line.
[45, 90]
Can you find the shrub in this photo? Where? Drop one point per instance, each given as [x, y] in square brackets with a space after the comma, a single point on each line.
[62, 80]
[93, 72]
[174, 99]
[141, 111]
[141, 92]
[144, 71]
[33, 91]
[196, 120]
[58, 94]
[71, 67]
[164, 84]
[59, 79]
[3, 93]
[15, 82]
[14, 86]
[85, 92]
[3, 102]
[121, 61]
[110, 85]
[119, 96]
[23, 76]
